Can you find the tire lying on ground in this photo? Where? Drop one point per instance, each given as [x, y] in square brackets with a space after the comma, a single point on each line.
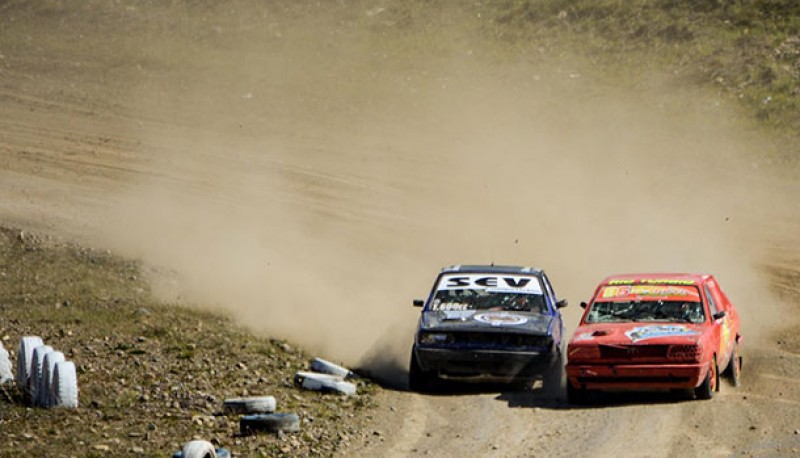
[34, 381]
[327, 367]
[24, 355]
[201, 449]
[325, 383]
[253, 404]
[220, 453]
[269, 422]
[65, 385]
[5, 366]
[46, 395]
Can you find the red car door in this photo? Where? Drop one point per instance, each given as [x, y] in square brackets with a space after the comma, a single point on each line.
[722, 326]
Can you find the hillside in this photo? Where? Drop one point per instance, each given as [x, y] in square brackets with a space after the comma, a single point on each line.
[197, 197]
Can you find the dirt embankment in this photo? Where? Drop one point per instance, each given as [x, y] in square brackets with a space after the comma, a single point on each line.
[306, 168]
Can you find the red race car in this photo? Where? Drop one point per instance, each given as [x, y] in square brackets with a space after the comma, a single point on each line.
[652, 332]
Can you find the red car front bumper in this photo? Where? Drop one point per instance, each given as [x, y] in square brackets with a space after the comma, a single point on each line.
[636, 376]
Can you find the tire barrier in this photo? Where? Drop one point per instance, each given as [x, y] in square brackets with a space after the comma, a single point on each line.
[44, 376]
[325, 383]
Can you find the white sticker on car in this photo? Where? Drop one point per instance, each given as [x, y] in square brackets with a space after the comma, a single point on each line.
[666, 330]
[500, 319]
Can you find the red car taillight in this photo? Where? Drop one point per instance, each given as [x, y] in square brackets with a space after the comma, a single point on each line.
[685, 352]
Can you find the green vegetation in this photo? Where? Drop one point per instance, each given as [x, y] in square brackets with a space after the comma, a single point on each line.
[750, 49]
[747, 50]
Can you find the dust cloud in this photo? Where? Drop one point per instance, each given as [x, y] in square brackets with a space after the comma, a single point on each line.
[312, 175]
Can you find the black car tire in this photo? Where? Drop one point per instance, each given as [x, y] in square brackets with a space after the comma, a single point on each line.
[576, 396]
[419, 380]
[553, 375]
[734, 369]
[706, 389]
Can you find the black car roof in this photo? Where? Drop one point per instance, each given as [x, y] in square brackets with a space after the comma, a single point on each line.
[493, 269]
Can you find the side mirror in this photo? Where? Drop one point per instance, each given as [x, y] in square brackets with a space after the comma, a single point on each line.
[719, 315]
[584, 305]
[418, 302]
[562, 303]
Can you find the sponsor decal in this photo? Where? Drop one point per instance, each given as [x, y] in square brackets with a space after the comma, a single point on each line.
[685, 293]
[666, 330]
[726, 336]
[500, 319]
[438, 305]
[585, 336]
[491, 283]
[451, 315]
[651, 281]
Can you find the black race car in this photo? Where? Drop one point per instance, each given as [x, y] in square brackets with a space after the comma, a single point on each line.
[494, 323]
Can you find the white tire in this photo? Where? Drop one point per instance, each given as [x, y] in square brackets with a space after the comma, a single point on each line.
[199, 449]
[24, 355]
[325, 383]
[65, 385]
[269, 422]
[254, 404]
[327, 367]
[34, 382]
[5, 366]
[46, 396]
[221, 453]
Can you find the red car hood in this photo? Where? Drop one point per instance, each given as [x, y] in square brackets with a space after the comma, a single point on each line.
[637, 333]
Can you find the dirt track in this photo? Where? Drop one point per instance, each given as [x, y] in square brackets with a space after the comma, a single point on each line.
[307, 169]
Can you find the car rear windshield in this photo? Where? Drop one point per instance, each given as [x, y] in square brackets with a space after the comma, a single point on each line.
[655, 303]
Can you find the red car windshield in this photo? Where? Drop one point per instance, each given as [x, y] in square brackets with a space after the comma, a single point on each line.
[648, 303]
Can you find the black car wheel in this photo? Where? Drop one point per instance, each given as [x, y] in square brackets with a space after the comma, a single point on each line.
[734, 369]
[710, 383]
[577, 396]
[554, 375]
[419, 380]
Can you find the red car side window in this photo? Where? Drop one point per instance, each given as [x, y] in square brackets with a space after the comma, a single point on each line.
[712, 306]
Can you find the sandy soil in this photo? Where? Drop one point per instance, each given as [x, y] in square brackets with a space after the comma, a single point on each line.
[308, 167]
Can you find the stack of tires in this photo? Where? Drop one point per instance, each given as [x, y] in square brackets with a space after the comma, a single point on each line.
[259, 415]
[326, 377]
[46, 378]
